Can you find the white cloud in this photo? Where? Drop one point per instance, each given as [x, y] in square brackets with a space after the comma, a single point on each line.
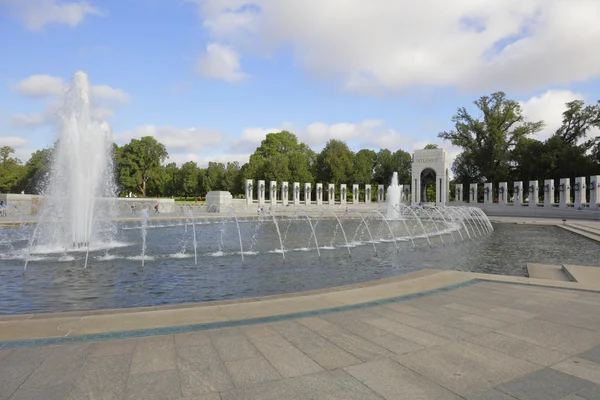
[14, 142]
[393, 45]
[39, 86]
[35, 14]
[52, 89]
[28, 121]
[106, 92]
[176, 139]
[221, 62]
[548, 107]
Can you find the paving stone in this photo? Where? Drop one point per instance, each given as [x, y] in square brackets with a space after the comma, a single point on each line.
[258, 331]
[55, 376]
[321, 350]
[300, 336]
[161, 385]
[415, 335]
[564, 338]
[590, 393]
[203, 396]
[17, 365]
[114, 347]
[545, 384]
[580, 368]
[4, 353]
[519, 348]
[481, 312]
[465, 368]
[484, 321]
[353, 344]
[492, 394]
[232, 344]
[332, 357]
[156, 353]
[288, 360]
[251, 371]
[102, 378]
[401, 317]
[394, 381]
[201, 370]
[465, 326]
[329, 385]
[446, 331]
[574, 316]
[314, 323]
[191, 339]
[380, 337]
[592, 355]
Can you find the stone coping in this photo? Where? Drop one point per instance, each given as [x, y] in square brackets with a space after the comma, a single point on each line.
[64, 328]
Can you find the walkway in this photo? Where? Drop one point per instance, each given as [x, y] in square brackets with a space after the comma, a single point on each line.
[429, 335]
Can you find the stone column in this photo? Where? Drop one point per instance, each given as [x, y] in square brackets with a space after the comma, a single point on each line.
[594, 191]
[380, 194]
[261, 193]
[273, 192]
[319, 194]
[564, 192]
[534, 193]
[284, 193]
[355, 194]
[503, 193]
[249, 191]
[580, 193]
[488, 193]
[518, 193]
[343, 194]
[331, 194]
[307, 194]
[368, 194]
[296, 193]
[458, 192]
[549, 192]
[473, 193]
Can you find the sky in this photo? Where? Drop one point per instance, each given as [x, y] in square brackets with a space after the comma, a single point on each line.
[210, 78]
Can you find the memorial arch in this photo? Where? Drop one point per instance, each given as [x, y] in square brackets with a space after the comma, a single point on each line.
[430, 166]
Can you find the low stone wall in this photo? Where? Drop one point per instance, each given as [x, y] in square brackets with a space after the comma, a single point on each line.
[28, 204]
[537, 211]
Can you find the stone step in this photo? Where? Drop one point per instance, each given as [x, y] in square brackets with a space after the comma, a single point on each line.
[586, 228]
[581, 232]
[547, 271]
[582, 273]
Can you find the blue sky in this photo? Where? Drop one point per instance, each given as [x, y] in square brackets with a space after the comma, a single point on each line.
[209, 78]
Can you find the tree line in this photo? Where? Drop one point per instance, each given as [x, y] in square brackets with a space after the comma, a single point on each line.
[497, 146]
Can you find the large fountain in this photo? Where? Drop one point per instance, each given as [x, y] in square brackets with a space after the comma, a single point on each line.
[80, 258]
[80, 188]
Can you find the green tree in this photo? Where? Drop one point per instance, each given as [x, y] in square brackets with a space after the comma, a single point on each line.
[280, 157]
[431, 146]
[213, 178]
[11, 170]
[139, 161]
[37, 170]
[334, 164]
[232, 181]
[488, 141]
[364, 163]
[173, 185]
[387, 163]
[188, 176]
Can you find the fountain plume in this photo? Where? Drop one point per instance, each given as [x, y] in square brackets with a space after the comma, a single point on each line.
[81, 185]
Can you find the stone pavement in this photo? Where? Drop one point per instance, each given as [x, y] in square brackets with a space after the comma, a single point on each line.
[489, 340]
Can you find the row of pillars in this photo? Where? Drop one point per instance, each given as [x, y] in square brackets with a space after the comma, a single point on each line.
[284, 191]
[533, 190]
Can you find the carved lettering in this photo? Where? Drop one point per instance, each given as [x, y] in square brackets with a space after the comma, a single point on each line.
[427, 161]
